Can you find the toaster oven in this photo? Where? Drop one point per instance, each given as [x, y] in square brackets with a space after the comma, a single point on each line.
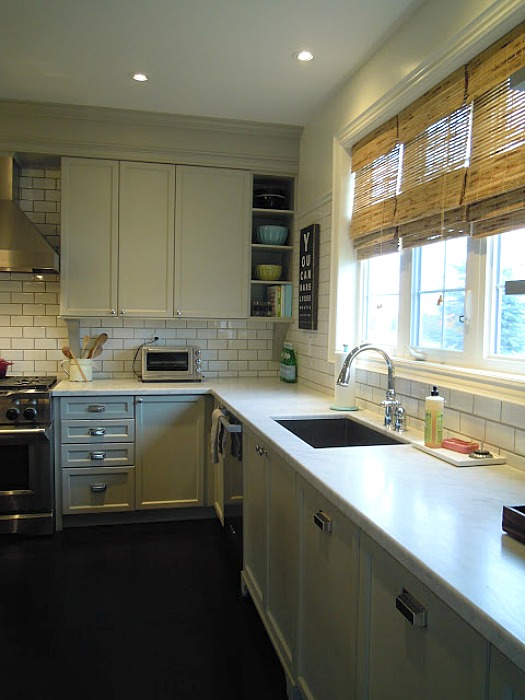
[171, 364]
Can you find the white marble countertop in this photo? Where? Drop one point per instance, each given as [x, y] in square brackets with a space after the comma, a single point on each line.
[442, 522]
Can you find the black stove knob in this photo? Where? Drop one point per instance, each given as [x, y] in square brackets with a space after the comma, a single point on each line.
[30, 413]
[12, 414]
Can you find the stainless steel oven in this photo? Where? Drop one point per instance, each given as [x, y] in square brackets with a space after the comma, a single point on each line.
[26, 456]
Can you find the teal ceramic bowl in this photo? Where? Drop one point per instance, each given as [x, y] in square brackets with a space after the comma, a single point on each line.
[272, 235]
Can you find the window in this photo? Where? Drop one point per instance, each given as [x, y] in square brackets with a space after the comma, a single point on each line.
[438, 307]
[381, 300]
[507, 262]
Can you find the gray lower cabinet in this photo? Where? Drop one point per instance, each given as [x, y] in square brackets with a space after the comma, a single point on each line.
[507, 681]
[124, 453]
[170, 451]
[412, 645]
[328, 596]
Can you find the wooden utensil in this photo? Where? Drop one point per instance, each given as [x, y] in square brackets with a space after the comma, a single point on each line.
[98, 342]
[71, 357]
[85, 343]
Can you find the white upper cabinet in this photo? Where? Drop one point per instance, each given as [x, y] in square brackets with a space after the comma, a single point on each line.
[117, 238]
[146, 232]
[212, 223]
[89, 231]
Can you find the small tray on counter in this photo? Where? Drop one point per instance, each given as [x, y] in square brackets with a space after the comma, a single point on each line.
[456, 458]
[513, 522]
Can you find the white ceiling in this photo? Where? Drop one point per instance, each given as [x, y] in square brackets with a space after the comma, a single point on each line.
[214, 58]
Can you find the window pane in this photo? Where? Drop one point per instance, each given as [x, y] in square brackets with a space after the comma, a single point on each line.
[381, 299]
[439, 295]
[509, 310]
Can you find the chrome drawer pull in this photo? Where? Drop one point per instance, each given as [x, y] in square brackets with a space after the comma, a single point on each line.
[323, 521]
[96, 408]
[97, 456]
[98, 488]
[412, 609]
[97, 432]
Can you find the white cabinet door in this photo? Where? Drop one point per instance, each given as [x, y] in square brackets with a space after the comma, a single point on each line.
[281, 601]
[212, 242]
[507, 681]
[411, 644]
[170, 451]
[146, 239]
[255, 520]
[89, 237]
[328, 594]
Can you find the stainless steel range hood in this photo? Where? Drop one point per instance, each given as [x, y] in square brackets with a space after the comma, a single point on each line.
[22, 247]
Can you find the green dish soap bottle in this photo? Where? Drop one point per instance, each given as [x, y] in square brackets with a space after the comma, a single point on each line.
[288, 366]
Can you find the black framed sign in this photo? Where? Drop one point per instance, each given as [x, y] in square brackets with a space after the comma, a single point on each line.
[308, 277]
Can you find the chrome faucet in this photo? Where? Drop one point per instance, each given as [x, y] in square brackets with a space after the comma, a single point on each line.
[394, 413]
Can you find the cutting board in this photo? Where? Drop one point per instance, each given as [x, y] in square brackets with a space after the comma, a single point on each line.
[456, 458]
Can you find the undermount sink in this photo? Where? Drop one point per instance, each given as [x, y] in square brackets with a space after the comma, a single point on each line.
[335, 432]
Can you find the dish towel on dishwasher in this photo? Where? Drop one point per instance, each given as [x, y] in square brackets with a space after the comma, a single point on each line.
[217, 435]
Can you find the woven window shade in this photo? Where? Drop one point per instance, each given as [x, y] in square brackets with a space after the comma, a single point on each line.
[495, 189]
[494, 65]
[374, 203]
[430, 229]
[433, 171]
[497, 162]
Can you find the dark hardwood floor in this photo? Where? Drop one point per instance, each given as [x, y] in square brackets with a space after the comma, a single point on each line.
[140, 611]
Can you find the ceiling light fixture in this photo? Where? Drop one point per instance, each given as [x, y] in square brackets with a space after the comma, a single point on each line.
[140, 77]
[303, 55]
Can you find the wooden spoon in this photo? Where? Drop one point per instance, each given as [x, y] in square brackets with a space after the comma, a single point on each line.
[85, 343]
[71, 357]
[99, 340]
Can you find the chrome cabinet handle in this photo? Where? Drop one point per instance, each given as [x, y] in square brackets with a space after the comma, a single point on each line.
[412, 609]
[98, 488]
[97, 432]
[260, 450]
[113, 312]
[140, 400]
[97, 456]
[122, 311]
[323, 521]
[96, 408]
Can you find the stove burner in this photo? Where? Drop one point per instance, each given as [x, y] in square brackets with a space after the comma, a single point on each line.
[21, 383]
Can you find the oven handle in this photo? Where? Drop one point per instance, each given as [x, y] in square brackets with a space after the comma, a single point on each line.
[23, 431]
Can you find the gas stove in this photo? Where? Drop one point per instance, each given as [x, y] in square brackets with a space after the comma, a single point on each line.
[25, 400]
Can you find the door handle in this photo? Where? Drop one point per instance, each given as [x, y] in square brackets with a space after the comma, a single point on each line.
[323, 521]
[98, 488]
[412, 609]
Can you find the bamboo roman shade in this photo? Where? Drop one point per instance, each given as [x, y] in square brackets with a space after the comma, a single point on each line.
[375, 161]
[460, 159]
[496, 175]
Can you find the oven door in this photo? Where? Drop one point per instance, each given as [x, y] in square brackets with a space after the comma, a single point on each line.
[25, 475]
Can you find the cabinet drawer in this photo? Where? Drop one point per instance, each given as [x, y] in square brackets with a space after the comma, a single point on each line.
[92, 490]
[99, 454]
[84, 431]
[97, 407]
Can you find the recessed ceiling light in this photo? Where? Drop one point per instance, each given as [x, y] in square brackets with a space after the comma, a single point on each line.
[303, 55]
[140, 77]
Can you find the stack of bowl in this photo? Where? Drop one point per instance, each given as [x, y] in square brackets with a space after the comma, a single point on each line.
[268, 273]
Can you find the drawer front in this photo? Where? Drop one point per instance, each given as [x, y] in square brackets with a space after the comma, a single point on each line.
[97, 407]
[98, 454]
[96, 490]
[87, 431]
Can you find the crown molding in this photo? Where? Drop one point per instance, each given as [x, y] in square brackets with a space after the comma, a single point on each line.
[150, 119]
[491, 24]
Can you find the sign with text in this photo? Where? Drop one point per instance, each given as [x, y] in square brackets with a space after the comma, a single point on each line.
[308, 277]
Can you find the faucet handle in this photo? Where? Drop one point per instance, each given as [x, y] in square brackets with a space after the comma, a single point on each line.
[400, 424]
[390, 398]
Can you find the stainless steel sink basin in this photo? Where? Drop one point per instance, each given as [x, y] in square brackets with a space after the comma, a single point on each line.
[335, 432]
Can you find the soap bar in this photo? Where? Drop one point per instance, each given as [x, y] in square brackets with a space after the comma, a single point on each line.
[457, 445]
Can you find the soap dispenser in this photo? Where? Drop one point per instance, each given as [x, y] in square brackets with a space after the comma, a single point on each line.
[434, 405]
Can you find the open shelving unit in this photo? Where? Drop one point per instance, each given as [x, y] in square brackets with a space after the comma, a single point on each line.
[263, 254]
